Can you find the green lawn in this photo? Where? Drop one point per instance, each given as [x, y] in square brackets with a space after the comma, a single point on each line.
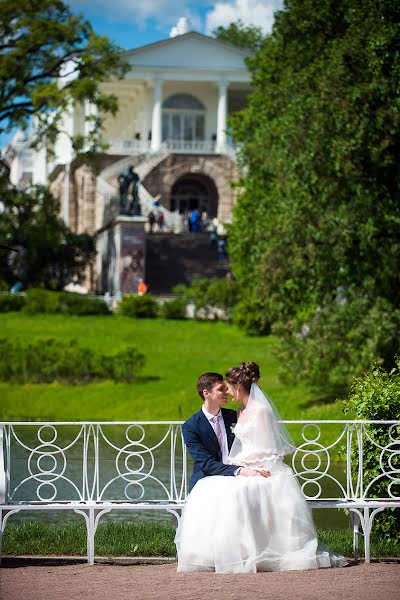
[142, 539]
[177, 352]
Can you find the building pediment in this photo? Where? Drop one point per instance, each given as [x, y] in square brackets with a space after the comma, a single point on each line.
[189, 51]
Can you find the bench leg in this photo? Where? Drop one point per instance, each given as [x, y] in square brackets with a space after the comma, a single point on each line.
[88, 515]
[367, 536]
[176, 517]
[356, 524]
[370, 521]
[91, 532]
[5, 514]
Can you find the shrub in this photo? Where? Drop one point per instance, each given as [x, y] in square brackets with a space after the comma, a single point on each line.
[70, 303]
[174, 309]
[211, 299]
[138, 307]
[376, 396]
[252, 316]
[11, 302]
[76, 304]
[331, 345]
[47, 360]
[42, 301]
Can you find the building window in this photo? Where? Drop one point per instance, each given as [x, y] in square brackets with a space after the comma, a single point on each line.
[183, 118]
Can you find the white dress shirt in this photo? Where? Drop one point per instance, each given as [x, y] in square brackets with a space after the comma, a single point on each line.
[224, 449]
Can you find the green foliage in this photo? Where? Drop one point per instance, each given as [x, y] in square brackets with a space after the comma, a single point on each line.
[252, 317]
[46, 360]
[78, 304]
[334, 343]
[376, 396]
[69, 303]
[174, 309]
[42, 301]
[50, 58]
[11, 302]
[139, 307]
[210, 296]
[319, 208]
[240, 35]
[49, 254]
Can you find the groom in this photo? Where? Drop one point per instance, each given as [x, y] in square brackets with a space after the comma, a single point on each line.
[208, 434]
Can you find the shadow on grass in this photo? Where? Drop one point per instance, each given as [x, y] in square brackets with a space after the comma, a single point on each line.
[146, 378]
[322, 399]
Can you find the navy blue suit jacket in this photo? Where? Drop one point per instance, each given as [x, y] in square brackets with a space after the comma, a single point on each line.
[203, 446]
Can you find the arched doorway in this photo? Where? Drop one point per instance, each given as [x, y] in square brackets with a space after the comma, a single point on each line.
[194, 191]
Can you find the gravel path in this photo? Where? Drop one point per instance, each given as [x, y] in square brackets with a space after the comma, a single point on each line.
[27, 579]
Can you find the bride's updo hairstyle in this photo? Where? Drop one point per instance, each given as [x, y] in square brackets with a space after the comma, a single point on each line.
[246, 374]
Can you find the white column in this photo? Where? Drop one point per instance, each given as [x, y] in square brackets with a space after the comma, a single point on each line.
[15, 170]
[39, 157]
[91, 113]
[221, 116]
[67, 153]
[156, 119]
[66, 193]
[40, 166]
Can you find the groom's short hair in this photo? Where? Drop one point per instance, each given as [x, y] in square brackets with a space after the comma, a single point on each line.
[207, 382]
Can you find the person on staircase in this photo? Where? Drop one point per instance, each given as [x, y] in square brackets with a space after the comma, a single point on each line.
[195, 220]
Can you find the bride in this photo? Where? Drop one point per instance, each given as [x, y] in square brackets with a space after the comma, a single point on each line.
[249, 524]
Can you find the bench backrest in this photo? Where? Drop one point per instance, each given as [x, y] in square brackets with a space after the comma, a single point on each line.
[148, 461]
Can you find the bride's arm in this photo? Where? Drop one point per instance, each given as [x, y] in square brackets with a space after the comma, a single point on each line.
[202, 456]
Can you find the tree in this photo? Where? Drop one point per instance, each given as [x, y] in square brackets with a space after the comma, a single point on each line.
[317, 225]
[50, 59]
[240, 35]
[48, 253]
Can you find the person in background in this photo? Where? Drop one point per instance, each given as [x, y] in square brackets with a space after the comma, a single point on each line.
[213, 233]
[205, 221]
[142, 287]
[151, 219]
[195, 221]
[160, 220]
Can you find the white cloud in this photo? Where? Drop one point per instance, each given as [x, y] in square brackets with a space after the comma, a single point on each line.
[250, 12]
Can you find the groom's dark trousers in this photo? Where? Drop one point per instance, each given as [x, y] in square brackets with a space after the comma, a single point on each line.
[203, 446]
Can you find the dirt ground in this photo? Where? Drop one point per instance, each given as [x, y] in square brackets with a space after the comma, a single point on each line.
[33, 579]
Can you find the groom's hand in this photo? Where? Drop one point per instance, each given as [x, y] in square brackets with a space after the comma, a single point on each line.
[246, 472]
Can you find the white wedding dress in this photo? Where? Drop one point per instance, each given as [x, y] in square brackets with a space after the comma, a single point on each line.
[248, 524]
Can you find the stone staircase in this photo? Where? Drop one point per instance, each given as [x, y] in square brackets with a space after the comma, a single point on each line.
[180, 258]
[107, 188]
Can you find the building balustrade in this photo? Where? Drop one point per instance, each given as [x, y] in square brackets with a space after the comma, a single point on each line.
[137, 147]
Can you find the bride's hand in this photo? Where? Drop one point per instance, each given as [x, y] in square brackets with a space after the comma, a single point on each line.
[246, 472]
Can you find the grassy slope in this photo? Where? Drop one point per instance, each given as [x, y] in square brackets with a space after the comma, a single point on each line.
[176, 353]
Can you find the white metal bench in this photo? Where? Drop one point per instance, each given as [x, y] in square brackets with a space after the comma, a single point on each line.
[93, 468]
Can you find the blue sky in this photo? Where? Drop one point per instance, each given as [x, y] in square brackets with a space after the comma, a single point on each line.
[133, 23]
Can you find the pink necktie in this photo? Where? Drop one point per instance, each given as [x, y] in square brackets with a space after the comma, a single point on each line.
[218, 430]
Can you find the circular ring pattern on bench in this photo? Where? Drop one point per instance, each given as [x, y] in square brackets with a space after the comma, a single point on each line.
[49, 484]
[43, 428]
[136, 498]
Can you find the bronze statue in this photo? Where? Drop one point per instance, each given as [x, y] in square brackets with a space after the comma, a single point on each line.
[129, 181]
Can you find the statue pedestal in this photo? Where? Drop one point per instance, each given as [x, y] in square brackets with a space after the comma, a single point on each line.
[121, 255]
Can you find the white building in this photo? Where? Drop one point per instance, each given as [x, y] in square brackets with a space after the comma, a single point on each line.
[171, 125]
